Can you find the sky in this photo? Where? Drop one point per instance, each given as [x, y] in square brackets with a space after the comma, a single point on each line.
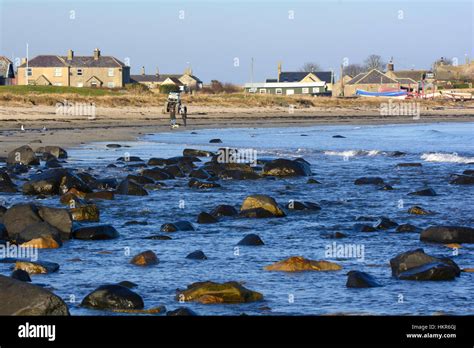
[218, 39]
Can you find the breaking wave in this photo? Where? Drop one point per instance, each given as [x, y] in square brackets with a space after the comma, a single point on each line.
[446, 157]
[352, 153]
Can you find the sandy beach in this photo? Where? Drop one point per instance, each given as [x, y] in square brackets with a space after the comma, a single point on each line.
[128, 123]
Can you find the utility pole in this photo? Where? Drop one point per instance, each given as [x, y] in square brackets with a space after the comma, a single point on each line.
[251, 71]
[27, 62]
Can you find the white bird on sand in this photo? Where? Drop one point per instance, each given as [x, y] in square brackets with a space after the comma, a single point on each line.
[44, 129]
[22, 128]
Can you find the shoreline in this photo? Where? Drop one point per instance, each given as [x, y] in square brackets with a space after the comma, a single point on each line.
[128, 124]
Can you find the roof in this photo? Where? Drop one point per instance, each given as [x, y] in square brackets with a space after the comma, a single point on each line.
[285, 84]
[356, 78]
[52, 61]
[405, 81]
[174, 79]
[374, 76]
[144, 78]
[297, 76]
[415, 75]
[6, 67]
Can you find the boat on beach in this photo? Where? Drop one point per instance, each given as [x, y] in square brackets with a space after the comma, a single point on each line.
[398, 94]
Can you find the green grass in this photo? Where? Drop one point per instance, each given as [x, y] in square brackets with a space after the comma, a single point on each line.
[83, 91]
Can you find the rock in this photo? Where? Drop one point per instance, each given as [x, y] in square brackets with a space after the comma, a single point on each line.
[6, 184]
[429, 271]
[463, 180]
[21, 275]
[55, 151]
[264, 202]
[101, 195]
[210, 292]
[424, 192]
[417, 210]
[386, 187]
[205, 218]
[197, 153]
[177, 226]
[358, 279]
[251, 240]
[105, 184]
[43, 242]
[256, 213]
[407, 228]
[113, 146]
[3, 233]
[23, 155]
[174, 171]
[416, 258]
[179, 160]
[413, 164]
[37, 267]
[224, 210]
[448, 234]
[296, 205]
[21, 298]
[337, 136]
[140, 179]
[197, 255]
[113, 297]
[335, 235]
[284, 167]
[396, 153]
[127, 284]
[20, 216]
[54, 182]
[369, 181]
[157, 174]
[98, 232]
[156, 161]
[89, 212]
[129, 159]
[215, 141]
[239, 175]
[202, 184]
[59, 218]
[298, 264]
[385, 223]
[312, 181]
[363, 228]
[200, 173]
[468, 172]
[158, 237]
[145, 258]
[181, 311]
[131, 188]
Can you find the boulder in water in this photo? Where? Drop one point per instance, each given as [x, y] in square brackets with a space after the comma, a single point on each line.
[425, 192]
[210, 292]
[37, 267]
[177, 226]
[448, 234]
[357, 279]
[299, 264]
[417, 210]
[97, 232]
[224, 210]
[23, 155]
[145, 258]
[251, 240]
[284, 168]
[263, 202]
[113, 296]
[205, 218]
[369, 181]
[131, 188]
[197, 255]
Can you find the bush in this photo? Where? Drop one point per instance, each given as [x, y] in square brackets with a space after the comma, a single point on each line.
[217, 87]
[137, 88]
[168, 88]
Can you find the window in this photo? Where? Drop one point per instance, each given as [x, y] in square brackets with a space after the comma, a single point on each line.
[315, 90]
[111, 85]
[80, 84]
[93, 84]
[305, 90]
[58, 84]
[263, 91]
[278, 91]
[79, 72]
[253, 90]
[58, 72]
[290, 91]
[111, 72]
[29, 72]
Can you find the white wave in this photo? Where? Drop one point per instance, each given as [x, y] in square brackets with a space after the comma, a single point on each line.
[446, 157]
[352, 153]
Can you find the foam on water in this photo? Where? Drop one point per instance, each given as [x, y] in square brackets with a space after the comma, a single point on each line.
[446, 158]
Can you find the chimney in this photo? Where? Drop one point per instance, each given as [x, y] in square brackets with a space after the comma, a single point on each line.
[96, 54]
[70, 54]
[143, 70]
[390, 65]
[279, 71]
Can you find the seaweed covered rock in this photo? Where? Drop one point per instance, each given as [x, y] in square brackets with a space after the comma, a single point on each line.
[299, 264]
[210, 292]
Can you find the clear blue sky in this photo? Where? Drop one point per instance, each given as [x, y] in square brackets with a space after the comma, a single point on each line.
[214, 33]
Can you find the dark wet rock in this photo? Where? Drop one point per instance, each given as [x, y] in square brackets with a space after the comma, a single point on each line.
[215, 141]
[127, 284]
[407, 228]
[3, 232]
[224, 210]
[468, 172]
[113, 146]
[335, 235]
[158, 237]
[175, 170]
[105, 184]
[100, 195]
[284, 167]
[145, 258]
[97, 232]
[297, 205]
[177, 226]
[386, 187]
[86, 212]
[239, 175]
[35, 231]
[363, 228]
[21, 275]
[197, 153]
[200, 174]
[369, 181]
[182, 159]
[181, 311]
[210, 292]
[54, 182]
[6, 184]
[131, 188]
[410, 165]
[339, 136]
[113, 297]
[205, 218]
[197, 255]
[129, 159]
[55, 151]
[396, 153]
[312, 181]
[23, 155]
[20, 216]
[425, 192]
[18, 168]
[258, 213]
[135, 222]
[385, 223]
[157, 161]
[429, 271]
[140, 179]
[251, 240]
[34, 300]
[417, 210]
[264, 202]
[53, 163]
[357, 279]
[366, 218]
[58, 218]
[463, 180]
[414, 259]
[37, 267]
[157, 174]
[448, 234]
[136, 165]
[201, 184]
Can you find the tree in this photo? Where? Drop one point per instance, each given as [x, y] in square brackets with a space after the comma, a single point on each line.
[353, 69]
[374, 61]
[310, 67]
[442, 61]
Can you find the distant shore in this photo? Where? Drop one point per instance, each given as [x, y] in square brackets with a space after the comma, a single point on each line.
[130, 122]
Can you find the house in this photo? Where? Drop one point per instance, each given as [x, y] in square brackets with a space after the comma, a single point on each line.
[409, 79]
[446, 73]
[74, 71]
[287, 88]
[371, 81]
[304, 77]
[7, 73]
[187, 81]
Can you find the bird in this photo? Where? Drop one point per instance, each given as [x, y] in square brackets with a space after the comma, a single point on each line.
[44, 129]
[22, 128]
